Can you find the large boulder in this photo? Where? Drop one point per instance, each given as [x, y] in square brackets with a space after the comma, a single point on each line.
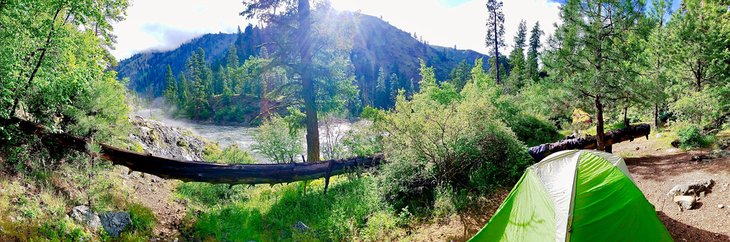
[115, 222]
[83, 215]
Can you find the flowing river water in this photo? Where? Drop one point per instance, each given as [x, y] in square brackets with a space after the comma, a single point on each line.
[331, 131]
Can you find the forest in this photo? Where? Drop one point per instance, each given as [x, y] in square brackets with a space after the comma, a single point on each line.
[450, 128]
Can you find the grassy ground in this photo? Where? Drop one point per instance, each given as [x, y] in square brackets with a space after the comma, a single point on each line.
[349, 211]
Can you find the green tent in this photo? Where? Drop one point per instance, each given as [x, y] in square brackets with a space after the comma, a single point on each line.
[575, 195]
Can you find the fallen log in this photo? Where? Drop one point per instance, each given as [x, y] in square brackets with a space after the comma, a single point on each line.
[612, 137]
[234, 173]
[268, 173]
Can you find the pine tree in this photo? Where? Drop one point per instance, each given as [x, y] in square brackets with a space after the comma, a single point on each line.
[495, 32]
[516, 77]
[171, 90]
[533, 72]
[460, 74]
[591, 52]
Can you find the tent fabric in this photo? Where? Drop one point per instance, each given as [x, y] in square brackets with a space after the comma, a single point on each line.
[557, 175]
[514, 222]
[575, 195]
[610, 207]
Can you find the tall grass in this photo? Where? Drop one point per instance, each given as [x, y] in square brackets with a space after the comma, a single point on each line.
[351, 210]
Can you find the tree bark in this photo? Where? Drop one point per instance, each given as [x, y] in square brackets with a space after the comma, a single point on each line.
[308, 89]
[627, 134]
[600, 135]
[496, 48]
[656, 116]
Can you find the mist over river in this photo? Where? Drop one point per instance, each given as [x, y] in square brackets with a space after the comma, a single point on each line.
[331, 130]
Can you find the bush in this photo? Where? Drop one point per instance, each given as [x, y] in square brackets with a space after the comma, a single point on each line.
[690, 136]
[437, 139]
[533, 131]
[278, 140]
[230, 155]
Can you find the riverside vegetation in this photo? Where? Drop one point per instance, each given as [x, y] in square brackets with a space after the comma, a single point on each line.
[451, 138]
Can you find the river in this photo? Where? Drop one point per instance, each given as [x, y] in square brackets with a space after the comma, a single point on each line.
[331, 131]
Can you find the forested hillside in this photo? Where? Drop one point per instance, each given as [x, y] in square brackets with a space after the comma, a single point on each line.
[377, 47]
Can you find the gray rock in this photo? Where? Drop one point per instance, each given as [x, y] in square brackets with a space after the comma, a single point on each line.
[301, 227]
[720, 206]
[171, 142]
[115, 222]
[685, 202]
[83, 215]
[692, 188]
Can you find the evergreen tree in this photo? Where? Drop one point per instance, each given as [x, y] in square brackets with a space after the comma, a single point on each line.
[495, 32]
[592, 53]
[533, 71]
[171, 90]
[460, 74]
[232, 56]
[516, 77]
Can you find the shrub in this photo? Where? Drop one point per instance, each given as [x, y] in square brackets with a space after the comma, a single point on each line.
[438, 139]
[230, 155]
[533, 131]
[278, 140]
[690, 136]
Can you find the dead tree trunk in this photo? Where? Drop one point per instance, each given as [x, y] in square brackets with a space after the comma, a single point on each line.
[541, 151]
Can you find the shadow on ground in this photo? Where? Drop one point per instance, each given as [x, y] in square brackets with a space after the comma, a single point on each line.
[684, 232]
[661, 167]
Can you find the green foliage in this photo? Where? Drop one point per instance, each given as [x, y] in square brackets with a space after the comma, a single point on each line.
[278, 140]
[700, 108]
[691, 136]
[362, 140]
[351, 209]
[143, 220]
[230, 155]
[532, 130]
[457, 140]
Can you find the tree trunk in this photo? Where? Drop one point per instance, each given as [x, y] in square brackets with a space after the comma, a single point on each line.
[616, 136]
[308, 90]
[496, 49]
[656, 116]
[626, 116]
[600, 135]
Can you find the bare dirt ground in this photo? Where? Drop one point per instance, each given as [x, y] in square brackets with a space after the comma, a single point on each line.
[657, 171]
[157, 194]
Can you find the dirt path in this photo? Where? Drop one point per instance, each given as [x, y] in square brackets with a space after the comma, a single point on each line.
[157, 194]
[656, 169]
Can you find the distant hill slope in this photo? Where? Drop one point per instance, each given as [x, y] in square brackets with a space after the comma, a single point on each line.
[377, 44]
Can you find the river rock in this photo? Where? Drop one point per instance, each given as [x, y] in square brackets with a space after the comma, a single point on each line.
[115, 222]
[159, 139]
[83, 214]
[692, 188]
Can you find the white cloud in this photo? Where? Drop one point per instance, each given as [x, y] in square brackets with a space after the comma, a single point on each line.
[165, 24]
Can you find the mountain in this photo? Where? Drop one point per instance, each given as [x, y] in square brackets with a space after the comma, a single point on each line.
[376, 46]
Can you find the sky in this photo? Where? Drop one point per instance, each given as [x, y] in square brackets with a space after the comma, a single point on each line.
[166, 24]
